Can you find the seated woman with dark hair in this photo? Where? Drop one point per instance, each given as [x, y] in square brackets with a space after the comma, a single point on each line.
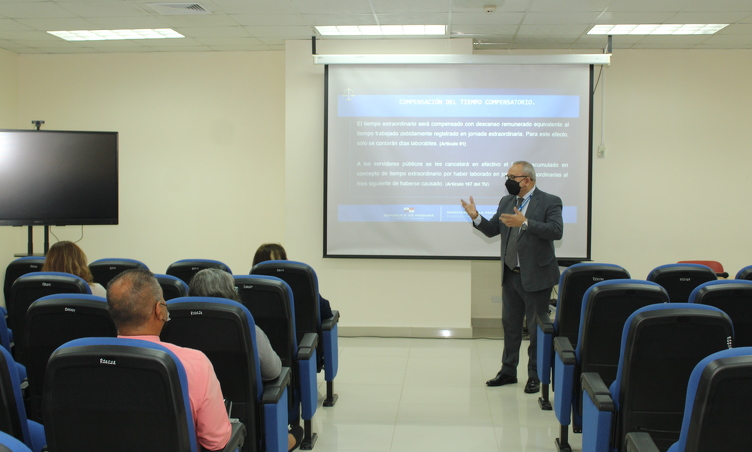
[275, 252]
[67, 257]
[213, 282]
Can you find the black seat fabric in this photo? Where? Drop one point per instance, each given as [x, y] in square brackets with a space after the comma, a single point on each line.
[103, 270]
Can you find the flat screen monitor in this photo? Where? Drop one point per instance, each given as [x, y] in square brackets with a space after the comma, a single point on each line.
[58, 177]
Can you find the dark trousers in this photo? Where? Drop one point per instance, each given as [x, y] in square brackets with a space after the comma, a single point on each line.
[518, 304]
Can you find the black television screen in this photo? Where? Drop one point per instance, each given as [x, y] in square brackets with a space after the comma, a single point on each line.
[58, 177]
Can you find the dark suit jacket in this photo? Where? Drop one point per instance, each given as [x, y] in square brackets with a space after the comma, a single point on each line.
[535, 246]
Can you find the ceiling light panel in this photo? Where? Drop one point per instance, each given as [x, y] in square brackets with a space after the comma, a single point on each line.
[657, 29]
[105, 35]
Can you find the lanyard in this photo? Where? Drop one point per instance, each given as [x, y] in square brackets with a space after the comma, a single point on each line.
[524, 203]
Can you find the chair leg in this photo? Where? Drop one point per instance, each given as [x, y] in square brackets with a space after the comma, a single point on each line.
[331, 397]
[562, 442]
[543, 401]
[309, 438]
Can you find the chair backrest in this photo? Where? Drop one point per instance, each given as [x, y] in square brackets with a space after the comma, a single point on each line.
[31, 287]
[734, 297]
[661, 344]
[744, 273]
[679, 280]
[573, 283]
[52, 321]
[12, 409]
[224, 330]
[186, 268]
[11, 444]
[270, 301]
[172, 286]
[716, 266]
[18, 268]
[103, 270]
[605, 308]
[716, 417]
[305, 291]
[117, 394]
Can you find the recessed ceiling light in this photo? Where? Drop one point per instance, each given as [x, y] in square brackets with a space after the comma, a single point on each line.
[656, 29]
[104, 35]
[382, 30]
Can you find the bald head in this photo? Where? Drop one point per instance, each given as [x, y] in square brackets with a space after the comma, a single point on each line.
[132, 299]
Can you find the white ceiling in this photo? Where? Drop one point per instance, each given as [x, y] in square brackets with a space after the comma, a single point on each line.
[266, 24]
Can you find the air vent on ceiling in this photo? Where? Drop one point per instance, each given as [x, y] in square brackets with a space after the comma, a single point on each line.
[178, 9]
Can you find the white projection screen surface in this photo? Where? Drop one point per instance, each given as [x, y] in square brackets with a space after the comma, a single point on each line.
[404, 143]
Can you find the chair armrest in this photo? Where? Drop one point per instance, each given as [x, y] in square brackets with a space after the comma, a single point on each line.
[640, 442]
[328, 324]
[274, 389]
[237, 437]
[545, 323]
[307, 346]
[565, 351]
[596, 389]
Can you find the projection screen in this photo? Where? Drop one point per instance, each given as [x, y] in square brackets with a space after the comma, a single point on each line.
[404, 143]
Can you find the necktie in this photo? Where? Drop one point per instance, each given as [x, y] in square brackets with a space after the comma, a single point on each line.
[510, 257]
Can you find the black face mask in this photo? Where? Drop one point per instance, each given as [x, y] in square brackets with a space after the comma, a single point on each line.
[513, 187]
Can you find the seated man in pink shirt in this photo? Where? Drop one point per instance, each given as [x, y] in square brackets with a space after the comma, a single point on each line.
[139, 311]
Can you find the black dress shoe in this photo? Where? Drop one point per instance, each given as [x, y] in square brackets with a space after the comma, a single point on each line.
[532, 386]
[501, 379]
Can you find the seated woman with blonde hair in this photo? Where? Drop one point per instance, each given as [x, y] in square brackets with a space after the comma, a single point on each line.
[67, 257]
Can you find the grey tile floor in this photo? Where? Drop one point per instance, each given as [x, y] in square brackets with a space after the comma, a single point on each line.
[412, 395]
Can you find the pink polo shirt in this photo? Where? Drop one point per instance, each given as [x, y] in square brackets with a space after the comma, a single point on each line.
[207, 403]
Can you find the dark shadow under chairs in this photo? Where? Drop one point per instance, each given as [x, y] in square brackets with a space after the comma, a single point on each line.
[224, 330]
[103, 270]
[52, 321]
[734, 297]
[31, 287]
[119, 394]
[186, 268]
[680, 280]
[573, 283]
[661, 344]
[270, 301]
[303, 282]
[172, 286]
[718, 387]
[13, 420]
[605, 308]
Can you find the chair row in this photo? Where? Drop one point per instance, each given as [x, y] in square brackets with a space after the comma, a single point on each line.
[223, 329]
[601, 314]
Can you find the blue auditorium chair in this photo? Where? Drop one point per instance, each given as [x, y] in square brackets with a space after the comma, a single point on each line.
[186, 268]
[573, 283]
[172, 286]
[225, 331]
[713, 421]
[679, 280]
[13, 420]
[103, 270]
[305, 289]
[53, 320]
[744, 273]
[661, 344]
[118, 394]
[716, 266]
[31, 287]
[605, 308]
[734, 297]
[11, 444]
[19, 267]
[270, 301]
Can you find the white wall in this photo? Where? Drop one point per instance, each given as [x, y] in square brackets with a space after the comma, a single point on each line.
[8, 116]
[201, 148]
[223, 151]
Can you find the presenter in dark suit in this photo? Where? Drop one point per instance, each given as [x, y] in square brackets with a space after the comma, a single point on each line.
[529, 220]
